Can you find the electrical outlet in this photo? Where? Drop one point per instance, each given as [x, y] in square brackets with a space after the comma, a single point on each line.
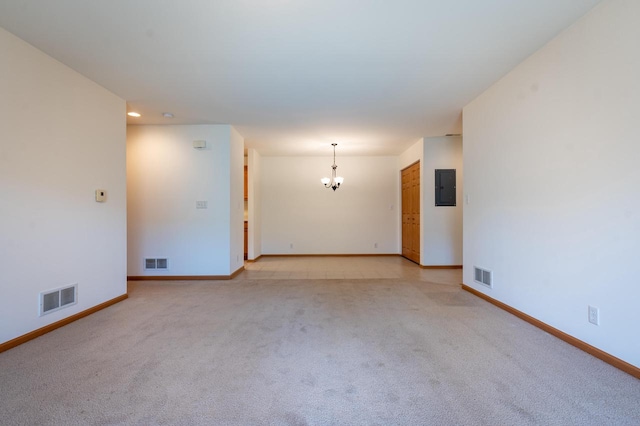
[290, 245]
[594, 315]
[375, 245]
[201, 204]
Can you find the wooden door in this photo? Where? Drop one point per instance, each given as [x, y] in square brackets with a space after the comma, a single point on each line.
[411, 212]
[246, 183]
[246, 240]
[246, 224]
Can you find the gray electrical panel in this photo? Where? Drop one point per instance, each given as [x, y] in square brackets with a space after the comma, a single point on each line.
[445, 187]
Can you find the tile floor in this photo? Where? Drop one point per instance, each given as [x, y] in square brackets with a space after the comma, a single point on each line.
[345, 267]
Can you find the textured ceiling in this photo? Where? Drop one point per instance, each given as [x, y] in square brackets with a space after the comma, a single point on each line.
[291, 75]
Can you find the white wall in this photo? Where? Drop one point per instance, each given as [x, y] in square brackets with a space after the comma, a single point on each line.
[236, 260]
[441, 226]
[411, 155]
[61, 138]
[255, 204]
[551, 167]
[165, 178]
[297, 209]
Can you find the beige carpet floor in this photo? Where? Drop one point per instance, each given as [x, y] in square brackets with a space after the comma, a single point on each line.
[308, 352]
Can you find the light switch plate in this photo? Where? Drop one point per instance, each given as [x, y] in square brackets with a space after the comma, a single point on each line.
[101, 195]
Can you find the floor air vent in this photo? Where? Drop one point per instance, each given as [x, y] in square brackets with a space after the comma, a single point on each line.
[54, 300]
[483, 276]
[150, 263]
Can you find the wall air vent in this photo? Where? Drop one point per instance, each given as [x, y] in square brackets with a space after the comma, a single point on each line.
[160, 263]
[483, 276]
[54, 300]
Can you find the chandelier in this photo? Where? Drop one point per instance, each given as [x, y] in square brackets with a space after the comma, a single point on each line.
[335, 181]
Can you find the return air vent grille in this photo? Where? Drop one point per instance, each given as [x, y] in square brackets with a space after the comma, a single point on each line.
[483, 276]
[54, 300]
[50, 301]
[160, 263]
[67, 296]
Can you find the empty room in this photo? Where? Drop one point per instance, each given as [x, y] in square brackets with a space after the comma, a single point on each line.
[319, 213]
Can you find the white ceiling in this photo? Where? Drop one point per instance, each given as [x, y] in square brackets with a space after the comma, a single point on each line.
[295, 75]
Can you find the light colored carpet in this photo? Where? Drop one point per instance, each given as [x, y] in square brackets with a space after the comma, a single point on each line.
[316, 352]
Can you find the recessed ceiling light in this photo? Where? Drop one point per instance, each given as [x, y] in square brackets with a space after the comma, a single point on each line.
[167, 115]
[133, 114]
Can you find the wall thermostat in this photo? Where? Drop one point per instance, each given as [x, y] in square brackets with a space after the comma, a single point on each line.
[200, 144]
